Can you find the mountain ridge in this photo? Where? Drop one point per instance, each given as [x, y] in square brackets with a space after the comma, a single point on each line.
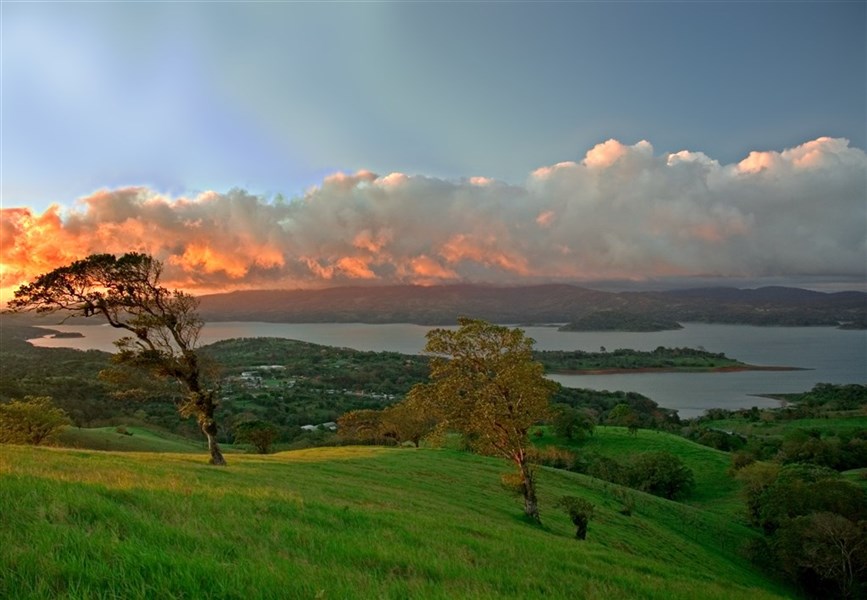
[541, 303]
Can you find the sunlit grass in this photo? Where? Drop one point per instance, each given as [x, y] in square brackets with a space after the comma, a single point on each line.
[339, 523]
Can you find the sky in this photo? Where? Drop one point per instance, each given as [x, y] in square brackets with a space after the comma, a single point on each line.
[299, 144]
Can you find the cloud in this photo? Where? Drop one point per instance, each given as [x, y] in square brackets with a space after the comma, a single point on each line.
[623, 212]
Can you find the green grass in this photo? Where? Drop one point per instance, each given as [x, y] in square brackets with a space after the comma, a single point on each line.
[142, 440]
[356, 522]
[843, 423]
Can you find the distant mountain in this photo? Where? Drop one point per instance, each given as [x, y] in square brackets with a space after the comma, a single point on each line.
[553, 303]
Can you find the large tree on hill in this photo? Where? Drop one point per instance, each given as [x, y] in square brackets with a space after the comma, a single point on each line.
[163, 324]
[485, 385]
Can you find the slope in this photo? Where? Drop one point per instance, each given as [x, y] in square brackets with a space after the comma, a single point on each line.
[339, 523]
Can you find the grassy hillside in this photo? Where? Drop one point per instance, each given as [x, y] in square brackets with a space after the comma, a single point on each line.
[137, 439]
[357, 522]
[714, 489]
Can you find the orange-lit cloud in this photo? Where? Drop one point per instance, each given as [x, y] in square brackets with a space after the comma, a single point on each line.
[355, 267]
[545, 218]
[427, 269]
[623, 212]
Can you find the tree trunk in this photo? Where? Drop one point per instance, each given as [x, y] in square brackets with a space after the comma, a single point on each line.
[209, 428]
[581, 529]
[528, 487]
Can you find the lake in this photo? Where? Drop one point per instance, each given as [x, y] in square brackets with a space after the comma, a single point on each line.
[829, 355]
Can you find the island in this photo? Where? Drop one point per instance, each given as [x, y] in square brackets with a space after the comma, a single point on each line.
[64, 335]
[661, 360]
[611, 320]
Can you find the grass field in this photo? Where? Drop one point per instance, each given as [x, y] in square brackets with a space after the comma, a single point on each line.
[354, 522]
[137, 439]
[846, 424]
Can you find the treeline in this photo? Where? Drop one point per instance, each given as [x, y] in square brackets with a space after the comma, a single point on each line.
[312, 384]
[660, 358]
[818, 427]
[814, 523]
[611, 320]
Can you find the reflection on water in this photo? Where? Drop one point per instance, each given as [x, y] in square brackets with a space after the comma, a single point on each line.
[829, 355]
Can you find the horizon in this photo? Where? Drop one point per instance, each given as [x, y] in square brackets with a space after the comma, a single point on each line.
[625, 146]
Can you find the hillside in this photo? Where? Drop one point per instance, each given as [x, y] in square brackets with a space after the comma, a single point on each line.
[128, 439]
[552, 303]
[357, 522]
[714, 490]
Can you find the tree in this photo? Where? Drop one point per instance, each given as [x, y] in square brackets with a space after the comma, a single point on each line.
[828, 545]
[485, 385]
[407, 421]
[362, 426]
[624, 415]
[260, 434]
[572, 423]
[163, 324]
[33, 420]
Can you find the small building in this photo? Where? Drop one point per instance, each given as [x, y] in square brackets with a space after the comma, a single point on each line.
[329, 426]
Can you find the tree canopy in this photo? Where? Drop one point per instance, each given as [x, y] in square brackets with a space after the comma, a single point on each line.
[34, 420]
[485, 385]
[163, 325]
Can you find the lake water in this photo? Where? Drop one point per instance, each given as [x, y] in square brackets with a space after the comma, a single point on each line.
[829, 355]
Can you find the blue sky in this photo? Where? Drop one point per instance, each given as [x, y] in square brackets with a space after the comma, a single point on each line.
[268, 144]
[271, 97]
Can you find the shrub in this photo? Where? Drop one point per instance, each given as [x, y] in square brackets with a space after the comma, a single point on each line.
[741, 459]
[552, 457]
[580, 511]
[512, 483]
[661, 474]
[607, 469]
[627, 500]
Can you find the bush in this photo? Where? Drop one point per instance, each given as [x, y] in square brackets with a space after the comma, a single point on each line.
[512, 483]
[580, 511]
[741, 459]
[627, 500]
[658, 473]
[661, 474]
[607, 469]
[552, 456]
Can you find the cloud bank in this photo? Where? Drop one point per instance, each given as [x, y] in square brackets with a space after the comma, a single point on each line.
[623, 212]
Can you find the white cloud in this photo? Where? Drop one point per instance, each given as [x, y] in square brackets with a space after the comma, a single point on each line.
[622, 213]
